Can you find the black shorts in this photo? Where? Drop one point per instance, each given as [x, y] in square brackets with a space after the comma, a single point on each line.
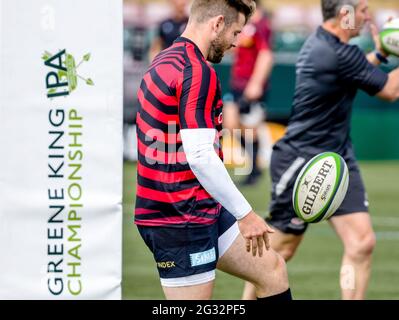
[284, 168]
[245, 106]
[184, 252]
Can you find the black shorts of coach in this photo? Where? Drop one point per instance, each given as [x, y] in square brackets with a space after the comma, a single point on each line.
[245, 106]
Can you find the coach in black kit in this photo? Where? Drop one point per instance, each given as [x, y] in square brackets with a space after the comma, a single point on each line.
[329, 72]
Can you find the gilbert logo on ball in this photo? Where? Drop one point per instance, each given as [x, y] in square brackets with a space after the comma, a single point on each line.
[320, 187]
[389, 37]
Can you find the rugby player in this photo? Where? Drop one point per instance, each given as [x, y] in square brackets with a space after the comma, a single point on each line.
[251, 69]
[188, 211]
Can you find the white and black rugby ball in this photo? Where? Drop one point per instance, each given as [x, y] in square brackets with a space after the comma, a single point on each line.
[389, 37]
[320, 187]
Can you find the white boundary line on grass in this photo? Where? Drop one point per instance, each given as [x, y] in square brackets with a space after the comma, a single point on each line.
[387, 235]
[384, 221]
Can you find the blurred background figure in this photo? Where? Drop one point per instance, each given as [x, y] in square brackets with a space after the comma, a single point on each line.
[136, 43]
[245, 104]
[168, 30]
[149, 27]
[375, 140]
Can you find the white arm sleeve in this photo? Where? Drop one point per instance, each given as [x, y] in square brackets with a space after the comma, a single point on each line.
[211, 172]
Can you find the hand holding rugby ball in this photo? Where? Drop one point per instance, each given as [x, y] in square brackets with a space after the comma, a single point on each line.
[389, 37]
[320, 187]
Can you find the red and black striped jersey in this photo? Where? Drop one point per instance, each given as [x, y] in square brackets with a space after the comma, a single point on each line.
[180, 90]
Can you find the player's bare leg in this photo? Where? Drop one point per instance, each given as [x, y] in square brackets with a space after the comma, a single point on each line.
[356, 233]
[268, 273]
[197, 292]
[231, 116]
[283, 243]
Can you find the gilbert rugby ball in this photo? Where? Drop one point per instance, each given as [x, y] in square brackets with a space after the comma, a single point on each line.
[389, 37]
[320, 187]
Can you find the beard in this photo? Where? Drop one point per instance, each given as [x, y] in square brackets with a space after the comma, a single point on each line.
[217, 49]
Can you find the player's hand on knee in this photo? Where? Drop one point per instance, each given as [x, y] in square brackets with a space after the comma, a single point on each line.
[255, 232]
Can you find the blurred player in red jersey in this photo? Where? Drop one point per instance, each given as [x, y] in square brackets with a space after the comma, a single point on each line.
[251, 69]
[187, 206]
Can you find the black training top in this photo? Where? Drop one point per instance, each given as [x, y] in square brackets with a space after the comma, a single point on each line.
[328, 75]
[170, 30]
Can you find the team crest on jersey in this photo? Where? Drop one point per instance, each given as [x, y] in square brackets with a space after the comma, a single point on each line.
[220, 118]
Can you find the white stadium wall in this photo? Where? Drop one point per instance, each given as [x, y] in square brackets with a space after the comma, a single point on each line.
[61, 149]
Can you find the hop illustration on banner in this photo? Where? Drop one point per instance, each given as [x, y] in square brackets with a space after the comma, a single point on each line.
[66, 72]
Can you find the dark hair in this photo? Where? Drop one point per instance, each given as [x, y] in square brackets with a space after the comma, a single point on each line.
[331, 8]
[203, 10]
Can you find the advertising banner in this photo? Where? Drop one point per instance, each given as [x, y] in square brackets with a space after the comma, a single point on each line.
[61, 149]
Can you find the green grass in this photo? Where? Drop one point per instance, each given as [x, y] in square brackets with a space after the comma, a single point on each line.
[314, 270]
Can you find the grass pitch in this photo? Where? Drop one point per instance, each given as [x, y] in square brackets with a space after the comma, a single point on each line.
[314, 270]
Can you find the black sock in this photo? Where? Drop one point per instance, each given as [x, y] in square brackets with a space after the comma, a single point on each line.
[255, 148]
[243, 142]
[252, 152]
[284, 296]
